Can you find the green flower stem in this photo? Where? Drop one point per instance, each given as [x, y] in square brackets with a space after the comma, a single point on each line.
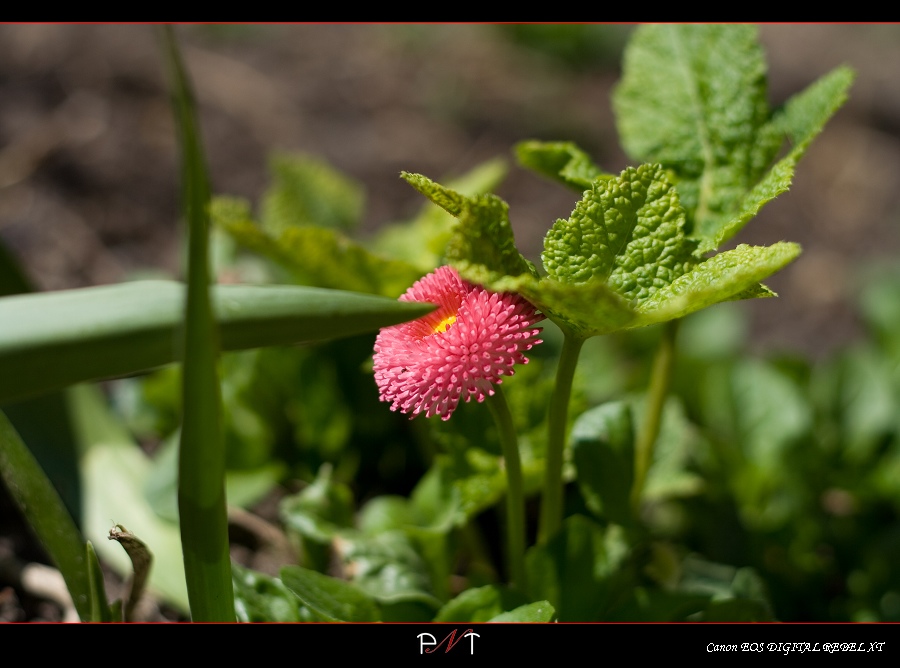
[515, 490]
[656, 399]
[551, 502]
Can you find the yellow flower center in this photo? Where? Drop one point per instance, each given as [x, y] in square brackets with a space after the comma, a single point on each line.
[444, 324]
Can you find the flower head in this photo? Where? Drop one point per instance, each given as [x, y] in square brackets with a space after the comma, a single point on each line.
[458, 351]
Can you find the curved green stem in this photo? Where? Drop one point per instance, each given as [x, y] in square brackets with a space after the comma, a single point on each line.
[551, 502]
[656, 399]
[515, 492]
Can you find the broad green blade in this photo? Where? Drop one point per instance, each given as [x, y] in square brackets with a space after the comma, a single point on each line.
[46, 515]
[54, 339]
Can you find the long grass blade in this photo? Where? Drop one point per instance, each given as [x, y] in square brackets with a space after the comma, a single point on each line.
[46, 515]
[201, 479]
[54, 339]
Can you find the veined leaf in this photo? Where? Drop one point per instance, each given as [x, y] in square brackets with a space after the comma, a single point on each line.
[483, 235]
[560, 161]
[422, 241]
[802, 119]
[621, 260]
[725, 276]
[54, 339]
[627, 232]
[693, 98]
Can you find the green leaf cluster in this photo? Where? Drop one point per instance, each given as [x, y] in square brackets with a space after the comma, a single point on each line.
[692, 107]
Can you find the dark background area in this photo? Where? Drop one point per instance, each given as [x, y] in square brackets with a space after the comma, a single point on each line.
[88, 155]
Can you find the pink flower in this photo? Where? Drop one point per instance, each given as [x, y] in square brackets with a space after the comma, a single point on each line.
[458, 351]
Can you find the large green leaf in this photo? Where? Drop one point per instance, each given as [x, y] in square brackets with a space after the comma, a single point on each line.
[693, 97]
[54, 339]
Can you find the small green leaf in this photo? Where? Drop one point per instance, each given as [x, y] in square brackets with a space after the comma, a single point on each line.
[42, 507]
[386, 513]
[806, 113]
[603, 452]
[677, 447]
[261, 598]
[480, 604]
[737, 594]
[335, 600]
[483, 236]
[449, 200]
[389, 569]
[539, 611]
[317, 515]
[308, 191]
[728, 275]
[560, 161]
[422, 241]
